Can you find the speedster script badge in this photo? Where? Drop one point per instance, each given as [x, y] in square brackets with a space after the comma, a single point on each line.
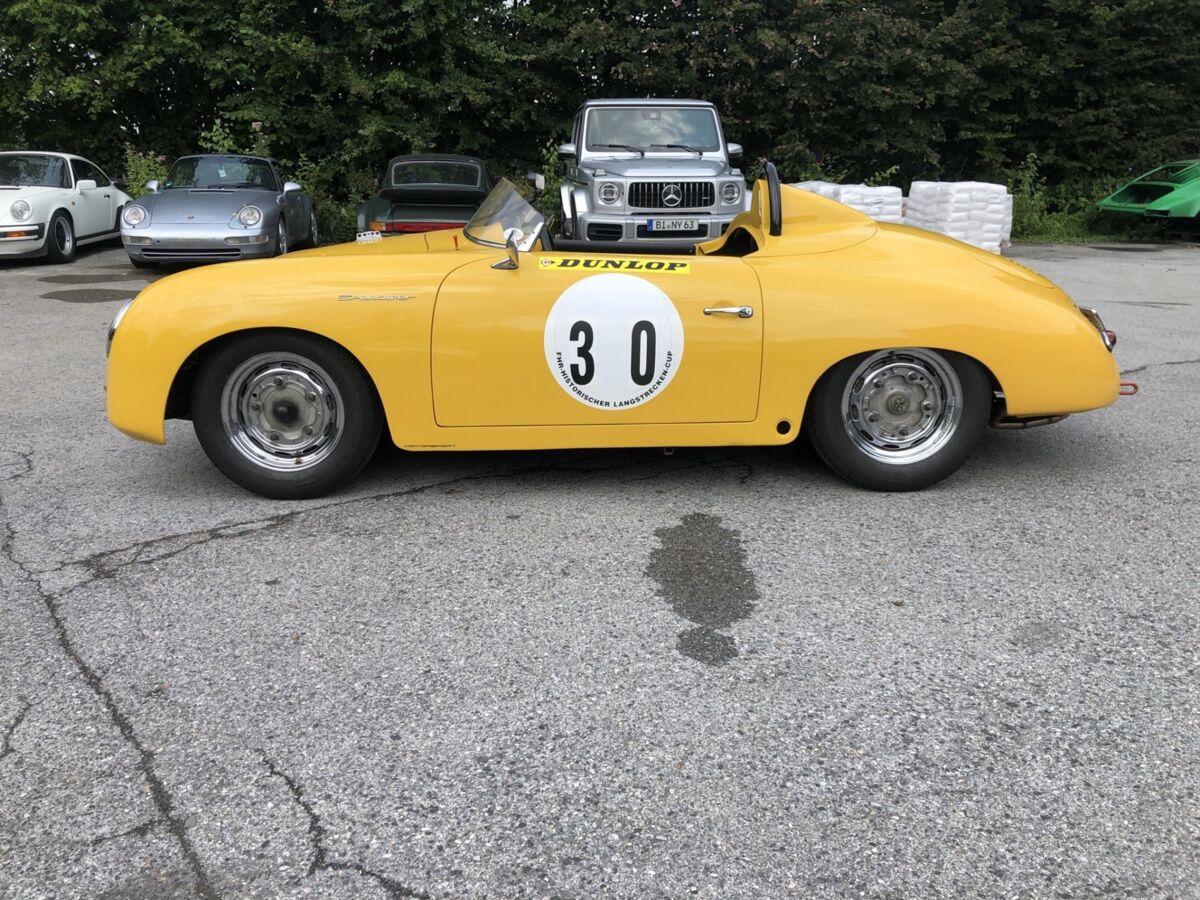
[613, 341]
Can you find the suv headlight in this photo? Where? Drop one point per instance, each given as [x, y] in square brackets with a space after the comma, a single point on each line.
[20, 210]
[250, 215]
[609, 192]
[731, 192]
[134, 215]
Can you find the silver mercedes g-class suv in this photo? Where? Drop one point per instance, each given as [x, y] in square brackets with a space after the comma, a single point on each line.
[649, 170]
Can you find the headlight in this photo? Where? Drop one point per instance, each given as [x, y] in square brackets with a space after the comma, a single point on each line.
[731, 192]
[112, 328]
[134, 215]
[250, 215]
[609, 192]
[20, 210]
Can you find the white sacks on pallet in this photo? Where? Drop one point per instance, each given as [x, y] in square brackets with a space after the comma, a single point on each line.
[885, 204]
[971, 211]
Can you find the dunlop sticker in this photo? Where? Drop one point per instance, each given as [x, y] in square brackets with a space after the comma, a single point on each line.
[616, 264]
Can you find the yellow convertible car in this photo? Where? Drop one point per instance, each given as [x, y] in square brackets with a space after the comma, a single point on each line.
[892, 348]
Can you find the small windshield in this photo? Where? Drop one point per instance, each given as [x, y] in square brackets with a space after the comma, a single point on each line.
[503, 210]
[1175, 173]
[34, 170]
[221, 172]
[652, 128]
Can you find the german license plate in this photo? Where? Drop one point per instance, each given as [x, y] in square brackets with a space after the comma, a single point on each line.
[671, 225]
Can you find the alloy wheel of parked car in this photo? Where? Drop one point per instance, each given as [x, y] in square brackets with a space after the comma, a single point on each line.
[901, 419]
[285, 415]
[281, 239]
[60, 239]
[313, 239]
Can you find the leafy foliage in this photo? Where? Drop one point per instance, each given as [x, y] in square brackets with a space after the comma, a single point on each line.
[902, 89]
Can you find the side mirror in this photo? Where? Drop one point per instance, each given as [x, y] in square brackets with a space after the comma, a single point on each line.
[566, 151]
[289, 186]
[513, 260]
[152, 186]
[537, 179]
[85, 184]
[734, 151]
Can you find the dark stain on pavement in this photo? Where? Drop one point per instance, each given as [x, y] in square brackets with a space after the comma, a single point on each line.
[90, 295]
[701, 570]
[95, 279]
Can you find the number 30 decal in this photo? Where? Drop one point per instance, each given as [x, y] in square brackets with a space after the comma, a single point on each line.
[613, 341]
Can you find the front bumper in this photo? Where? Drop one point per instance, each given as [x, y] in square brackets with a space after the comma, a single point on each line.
[595, 226]
[196, 243]
[23, 240]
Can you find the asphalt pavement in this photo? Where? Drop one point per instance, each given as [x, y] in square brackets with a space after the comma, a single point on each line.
[722, 673]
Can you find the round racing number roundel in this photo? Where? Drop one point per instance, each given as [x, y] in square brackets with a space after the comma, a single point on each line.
[614, 341]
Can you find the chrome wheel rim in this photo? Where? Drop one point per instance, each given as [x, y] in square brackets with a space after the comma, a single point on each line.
[282, 412]
[63, 236]
[902, 406]
[283, 245]
[312, 228]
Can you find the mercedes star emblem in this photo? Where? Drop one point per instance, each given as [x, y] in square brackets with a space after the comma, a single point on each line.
[672, 194]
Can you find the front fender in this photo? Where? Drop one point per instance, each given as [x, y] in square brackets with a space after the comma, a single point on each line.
[376, 305]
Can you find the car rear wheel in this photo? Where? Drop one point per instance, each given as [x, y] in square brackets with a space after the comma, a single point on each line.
[287, 416]
[60, 239]
[900, 419]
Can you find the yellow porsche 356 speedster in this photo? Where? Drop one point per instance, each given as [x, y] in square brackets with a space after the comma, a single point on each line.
[891, 348]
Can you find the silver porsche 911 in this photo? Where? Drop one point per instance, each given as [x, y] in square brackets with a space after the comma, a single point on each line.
[218, 207]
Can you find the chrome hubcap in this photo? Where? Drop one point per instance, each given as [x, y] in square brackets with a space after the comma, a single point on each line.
[63, 236]
[283, 247]
[282, 411]
[902, 406]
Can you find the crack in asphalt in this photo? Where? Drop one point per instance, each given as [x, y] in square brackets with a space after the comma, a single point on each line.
[106, 563]
[158, 790]
[316, 838]
[140, 830]
[6, 747]
[1169, 362]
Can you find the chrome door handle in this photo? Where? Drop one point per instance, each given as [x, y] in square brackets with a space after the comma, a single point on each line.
[742, 312]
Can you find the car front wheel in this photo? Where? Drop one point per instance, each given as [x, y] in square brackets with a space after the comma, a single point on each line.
[287, 416]
[60, 239]
[900, 419]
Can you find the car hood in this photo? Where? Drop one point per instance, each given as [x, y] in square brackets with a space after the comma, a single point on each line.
[9, 193]
[659, 167]
[200, 206]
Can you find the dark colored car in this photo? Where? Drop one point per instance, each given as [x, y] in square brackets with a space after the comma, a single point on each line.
[426, 192]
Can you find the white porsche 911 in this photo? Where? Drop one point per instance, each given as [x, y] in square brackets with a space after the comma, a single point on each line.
[51, 203]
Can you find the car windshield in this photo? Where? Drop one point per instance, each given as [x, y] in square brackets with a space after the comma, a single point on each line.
[502, 213]
[652, 128]
[435, 173]
[33, 170]
[221, 172]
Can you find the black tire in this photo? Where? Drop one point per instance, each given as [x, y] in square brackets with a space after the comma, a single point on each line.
[931, 449]
[248, 451]
[314, 239]
[60, 239]
[281, 237]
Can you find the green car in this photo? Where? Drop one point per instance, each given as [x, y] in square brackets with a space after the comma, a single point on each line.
[1168, 192]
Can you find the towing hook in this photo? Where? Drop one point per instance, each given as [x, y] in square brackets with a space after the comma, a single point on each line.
[1129, 388]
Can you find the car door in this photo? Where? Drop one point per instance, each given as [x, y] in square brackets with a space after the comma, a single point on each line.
[94, 210]
[588, 339]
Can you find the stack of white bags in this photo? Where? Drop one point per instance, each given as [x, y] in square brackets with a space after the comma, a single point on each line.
[970, 211]
[885, 204]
